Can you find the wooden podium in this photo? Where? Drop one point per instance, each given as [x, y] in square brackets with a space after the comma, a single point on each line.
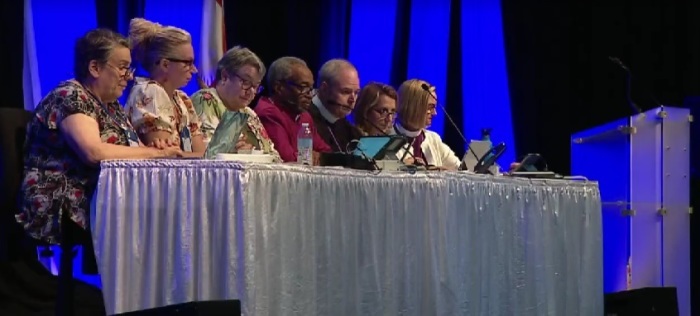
[642, 166]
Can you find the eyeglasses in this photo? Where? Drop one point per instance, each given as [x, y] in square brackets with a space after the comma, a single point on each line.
[384, 112]
[302, 89]
[189, 63]
[124, 72]
[432, 108]
[247, 84]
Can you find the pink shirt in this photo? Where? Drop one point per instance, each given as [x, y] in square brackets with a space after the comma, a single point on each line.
[282, 126]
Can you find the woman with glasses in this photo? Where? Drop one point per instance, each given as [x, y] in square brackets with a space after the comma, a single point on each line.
[76, 126]
[415, 112]
[375, 109]
[157, 108]
[223, 110]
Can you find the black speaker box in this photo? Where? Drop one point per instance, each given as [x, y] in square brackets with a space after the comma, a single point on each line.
[209, 308]
[661, 301]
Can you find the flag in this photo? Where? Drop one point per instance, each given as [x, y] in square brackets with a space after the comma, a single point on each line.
[30, 69]
[213, 43]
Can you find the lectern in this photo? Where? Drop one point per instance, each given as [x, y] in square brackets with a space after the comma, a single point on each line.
[642, 166]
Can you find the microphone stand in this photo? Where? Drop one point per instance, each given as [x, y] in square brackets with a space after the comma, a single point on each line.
[426, 87]
[628, 84]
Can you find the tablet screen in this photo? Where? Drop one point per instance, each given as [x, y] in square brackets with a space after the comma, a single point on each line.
[370, 146]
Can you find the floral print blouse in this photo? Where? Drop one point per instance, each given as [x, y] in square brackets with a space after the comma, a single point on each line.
[151, 109]
[55, 178]
[212, 113]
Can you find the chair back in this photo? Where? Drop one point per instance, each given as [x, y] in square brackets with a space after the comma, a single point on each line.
[13, 130]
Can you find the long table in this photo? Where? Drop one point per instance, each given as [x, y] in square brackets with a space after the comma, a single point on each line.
[289, 239]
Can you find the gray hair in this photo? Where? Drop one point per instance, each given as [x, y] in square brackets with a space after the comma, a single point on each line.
[237, 57]
[332, 68]
[96, 45]
[281, 69]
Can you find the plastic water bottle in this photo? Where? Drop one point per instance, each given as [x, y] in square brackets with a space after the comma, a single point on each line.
[305, 143]
[486, 136]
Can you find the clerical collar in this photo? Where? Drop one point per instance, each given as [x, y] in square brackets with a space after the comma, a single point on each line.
[403, 131]
[324, 112]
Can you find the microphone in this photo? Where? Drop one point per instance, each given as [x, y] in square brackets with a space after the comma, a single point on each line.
[628, 84]
[334, 103]
[426, 87]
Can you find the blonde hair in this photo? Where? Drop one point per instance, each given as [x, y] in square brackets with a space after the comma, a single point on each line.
[151, 42]
[367, 100]
[413, 103]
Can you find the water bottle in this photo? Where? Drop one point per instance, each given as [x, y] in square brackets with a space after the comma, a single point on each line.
[486, 137]
[305, 145]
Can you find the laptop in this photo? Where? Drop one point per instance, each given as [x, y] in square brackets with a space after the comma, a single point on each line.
[379, 147]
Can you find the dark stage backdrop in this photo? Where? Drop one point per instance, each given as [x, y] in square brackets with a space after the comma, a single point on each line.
[559, 79]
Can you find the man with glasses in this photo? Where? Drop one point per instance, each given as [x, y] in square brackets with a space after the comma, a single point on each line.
[282, 113]
[338, 87]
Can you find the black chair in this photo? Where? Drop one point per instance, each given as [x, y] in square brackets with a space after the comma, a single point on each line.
[17, 246]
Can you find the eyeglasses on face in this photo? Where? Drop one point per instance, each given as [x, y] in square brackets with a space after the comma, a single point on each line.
[384, 112]
[301, 88]
[189, 63]
[124, 72]
[247, 84]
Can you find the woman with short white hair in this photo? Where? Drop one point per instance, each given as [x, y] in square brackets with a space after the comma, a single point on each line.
[229, 125]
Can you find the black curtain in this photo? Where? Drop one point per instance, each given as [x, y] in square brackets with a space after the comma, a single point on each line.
[12, 35]
[116, 14]
[561, 80]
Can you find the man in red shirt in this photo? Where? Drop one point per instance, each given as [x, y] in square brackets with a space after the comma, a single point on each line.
[291, 84]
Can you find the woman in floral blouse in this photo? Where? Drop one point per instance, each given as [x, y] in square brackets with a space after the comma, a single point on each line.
[77, 125]
[157, 109]
[229, 125]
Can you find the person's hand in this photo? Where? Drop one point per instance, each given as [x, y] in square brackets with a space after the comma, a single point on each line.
[163, 143]
[316, 158]
[172, 152]
[242, 144]
[414, 161]
[514, 166]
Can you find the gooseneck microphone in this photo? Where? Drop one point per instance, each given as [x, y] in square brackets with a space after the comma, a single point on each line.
[426, 87]
[628, 83]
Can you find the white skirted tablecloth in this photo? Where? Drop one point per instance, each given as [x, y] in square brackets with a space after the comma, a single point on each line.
[294, 240]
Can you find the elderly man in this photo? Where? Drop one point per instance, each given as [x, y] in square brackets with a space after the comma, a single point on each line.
[291, 84]
[338, 87]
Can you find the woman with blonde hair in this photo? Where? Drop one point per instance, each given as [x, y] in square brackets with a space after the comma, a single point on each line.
[375, 109]
[157, 109]
[415, 112]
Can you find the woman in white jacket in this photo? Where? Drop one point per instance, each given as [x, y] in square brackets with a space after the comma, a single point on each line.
[415, 111]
